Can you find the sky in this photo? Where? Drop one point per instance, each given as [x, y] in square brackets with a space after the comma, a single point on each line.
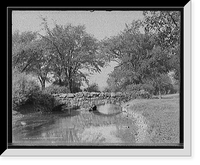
[100, 24]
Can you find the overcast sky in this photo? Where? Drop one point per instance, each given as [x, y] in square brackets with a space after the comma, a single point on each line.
[101, 24]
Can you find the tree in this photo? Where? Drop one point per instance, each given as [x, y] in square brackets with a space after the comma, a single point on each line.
[140, 58]
[92, 88]
[166, 27]
[118, 80]
[19, 43]
[32, 55]
[107, 89]
[130, 49]
[74, 49]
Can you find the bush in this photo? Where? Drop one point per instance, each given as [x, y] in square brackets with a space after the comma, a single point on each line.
[56, 89]
[147, 87]
[133, 87]
[133, 94]
[44, 101]
[93, 88]
[143, 94]
[26, 91]
[176, 88]
[22, 88]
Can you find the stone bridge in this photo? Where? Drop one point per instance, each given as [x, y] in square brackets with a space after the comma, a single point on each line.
[88, 99]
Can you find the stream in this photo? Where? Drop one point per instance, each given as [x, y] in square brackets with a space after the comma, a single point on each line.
[106, 125]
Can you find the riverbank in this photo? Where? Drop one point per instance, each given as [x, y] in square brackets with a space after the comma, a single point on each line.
[157, 119]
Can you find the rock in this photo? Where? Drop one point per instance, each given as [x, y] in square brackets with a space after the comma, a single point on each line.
[108, 94]
[85, 94]
[94, 94]
[93, 108]
[63, 95]
[113, 94]
[90, 95]
[70, 95]
[23, 123]
[119, 94]
[79, 94]
[102, 94]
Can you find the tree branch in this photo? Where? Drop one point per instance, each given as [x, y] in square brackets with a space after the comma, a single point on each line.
[28, 63]
[172, 19]
[61, 55]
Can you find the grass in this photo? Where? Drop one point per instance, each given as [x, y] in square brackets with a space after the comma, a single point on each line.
[162, 116]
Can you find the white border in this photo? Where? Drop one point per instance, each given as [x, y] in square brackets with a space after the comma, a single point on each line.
[135, 152]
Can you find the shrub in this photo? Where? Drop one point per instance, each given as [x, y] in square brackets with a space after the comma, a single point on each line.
[44, 101]
[147, 87]
[93, 88]
[143, 94]
[137, 87]
[133, 87]
[133, 94]
[56, 89]
[176, 88]
[27, 91]
[22, 88]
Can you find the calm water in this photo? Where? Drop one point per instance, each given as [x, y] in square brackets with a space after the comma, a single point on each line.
[108, 110]
[105, 125]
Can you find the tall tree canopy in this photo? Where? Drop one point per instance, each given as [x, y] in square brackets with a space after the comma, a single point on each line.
[166, 25]
[141, 56]
[74, 49]
[32, 55]
[63, 51]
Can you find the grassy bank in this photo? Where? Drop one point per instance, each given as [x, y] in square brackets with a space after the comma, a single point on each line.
[162, 117]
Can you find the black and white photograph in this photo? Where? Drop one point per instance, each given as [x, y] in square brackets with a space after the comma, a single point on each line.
[96, 78]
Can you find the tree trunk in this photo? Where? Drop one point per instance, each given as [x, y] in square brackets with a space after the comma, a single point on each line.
[43, 85]
[70, 79]
[59, 81]
[70, 86]
[159, 92]
[42, 82]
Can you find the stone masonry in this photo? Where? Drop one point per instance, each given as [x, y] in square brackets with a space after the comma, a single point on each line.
[88, 99]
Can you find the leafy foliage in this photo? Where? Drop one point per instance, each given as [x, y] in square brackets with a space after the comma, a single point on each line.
[92, 88]
[33, 56]
[27, 91]
[63, 52]
[137, 87]
[44, 101]
[166, 27]
[141, 57]
[73, 50]
[55, 89]
[22, 88]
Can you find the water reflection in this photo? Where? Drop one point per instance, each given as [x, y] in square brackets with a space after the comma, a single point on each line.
[108, 110]
[62, 128]
[45, 128]
[66, 113]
